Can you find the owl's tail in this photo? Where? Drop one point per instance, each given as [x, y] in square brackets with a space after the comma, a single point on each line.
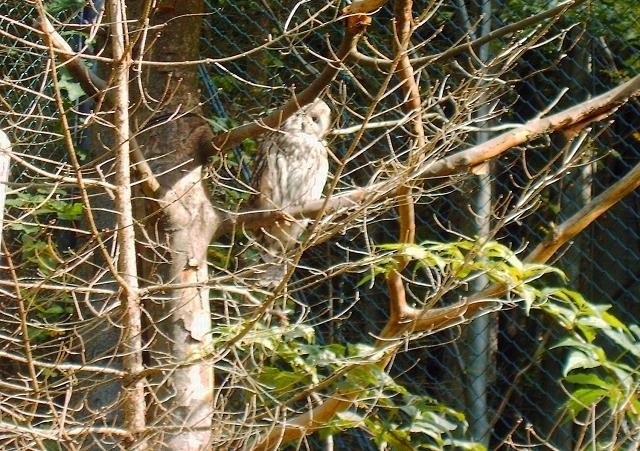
[275, 244]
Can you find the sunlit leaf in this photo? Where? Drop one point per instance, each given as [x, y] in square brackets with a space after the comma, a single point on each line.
[588, 379]
[578, 359]
[583, 398]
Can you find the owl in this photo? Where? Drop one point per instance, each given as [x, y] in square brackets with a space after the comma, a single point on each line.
[290, 170]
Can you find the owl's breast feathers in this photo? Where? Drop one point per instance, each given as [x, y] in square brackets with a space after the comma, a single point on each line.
[292, 170]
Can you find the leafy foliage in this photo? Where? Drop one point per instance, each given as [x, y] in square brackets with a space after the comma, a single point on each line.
[465, 260]
[602, 367]
[39, 211]
[291, 366]
[41, 254]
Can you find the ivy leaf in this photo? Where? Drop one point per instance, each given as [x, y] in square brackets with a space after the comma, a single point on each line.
[279, 380]
[71, 211]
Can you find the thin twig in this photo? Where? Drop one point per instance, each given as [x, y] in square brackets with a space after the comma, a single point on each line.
[235, 136]
[134, 405]
[556, 11]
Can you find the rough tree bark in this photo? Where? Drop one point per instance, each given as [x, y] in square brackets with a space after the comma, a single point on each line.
[179, 224]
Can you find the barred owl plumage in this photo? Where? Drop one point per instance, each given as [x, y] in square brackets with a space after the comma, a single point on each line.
[291, 169]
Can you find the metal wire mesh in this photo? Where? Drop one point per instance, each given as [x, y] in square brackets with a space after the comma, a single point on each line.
[597, 51]
[603, 263]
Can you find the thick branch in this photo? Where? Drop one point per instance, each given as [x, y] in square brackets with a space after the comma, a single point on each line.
[579, 115]
[403, 16]
[307, 423]
[91, 84]
[585, 216]
[235, 136]
[406, 208]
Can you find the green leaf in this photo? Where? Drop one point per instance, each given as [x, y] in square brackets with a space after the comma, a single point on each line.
[588, 379]
[578, 359]
[583, 398]
[26, 228]
[219, 124]
[303, 331]
[324, 355]
[625, 341]
[398, 440]
[415, 252]
[280, 380]
[612, 320]
[71, 211]
[534, 271]
[55, 309]
[529, 295]
[366, 376]
[347, 420]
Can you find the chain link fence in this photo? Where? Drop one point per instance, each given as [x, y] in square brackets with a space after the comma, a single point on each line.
[596, 46]
[593, 54]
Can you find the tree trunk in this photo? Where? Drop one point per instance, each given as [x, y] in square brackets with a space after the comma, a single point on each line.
[178, 230]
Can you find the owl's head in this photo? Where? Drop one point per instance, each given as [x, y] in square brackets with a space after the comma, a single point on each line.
[313, 119]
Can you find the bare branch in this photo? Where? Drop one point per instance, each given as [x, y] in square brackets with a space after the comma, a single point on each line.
[556, 11]
[93, 86]
[134, 402]
[57, 434]
[5, 158]
[237, 135]
[580, 115]
[64, 367]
